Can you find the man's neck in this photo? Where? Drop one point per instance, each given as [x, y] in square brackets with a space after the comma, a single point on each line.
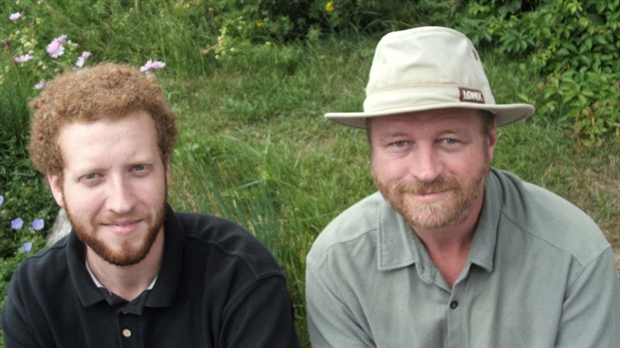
[128, 282]
[449, 247]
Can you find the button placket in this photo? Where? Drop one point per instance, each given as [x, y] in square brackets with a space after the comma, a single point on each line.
[456, 318]
[129, 329]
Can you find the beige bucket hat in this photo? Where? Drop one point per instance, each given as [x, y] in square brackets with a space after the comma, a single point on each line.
[428, 68]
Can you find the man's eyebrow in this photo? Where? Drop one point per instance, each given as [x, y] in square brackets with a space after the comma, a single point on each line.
[455, 130]
[390, 135]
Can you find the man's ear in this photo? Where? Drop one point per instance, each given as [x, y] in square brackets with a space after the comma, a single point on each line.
[56, 184]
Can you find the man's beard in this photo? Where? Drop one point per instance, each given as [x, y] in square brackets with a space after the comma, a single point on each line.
[86, 231]
[433, 215]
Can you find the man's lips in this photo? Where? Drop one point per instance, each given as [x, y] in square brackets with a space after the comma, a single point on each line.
[427, 197]
[122, 226]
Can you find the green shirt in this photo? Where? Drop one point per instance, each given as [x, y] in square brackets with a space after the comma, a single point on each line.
[539, 273]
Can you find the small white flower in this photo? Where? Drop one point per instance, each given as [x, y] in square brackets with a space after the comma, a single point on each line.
[15, 16]
[82, 59]
[21, 59]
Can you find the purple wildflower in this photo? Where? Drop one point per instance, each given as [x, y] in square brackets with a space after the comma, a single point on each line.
[40, 85]
[152, 65]
[17, 224]
[15, 16]
[21, 59]
[55, 48]
[38, 224]
[82, 59]
[26, 247]
[1, 200]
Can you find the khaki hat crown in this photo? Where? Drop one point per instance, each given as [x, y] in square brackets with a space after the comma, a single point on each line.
[428, 68]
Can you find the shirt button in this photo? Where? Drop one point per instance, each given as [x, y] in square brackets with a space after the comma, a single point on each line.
[127, 333]
[454, 304]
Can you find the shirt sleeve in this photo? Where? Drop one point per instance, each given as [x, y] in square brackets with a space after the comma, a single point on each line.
[331, 323]
[15, 328]
[591, 310]
[262, 316]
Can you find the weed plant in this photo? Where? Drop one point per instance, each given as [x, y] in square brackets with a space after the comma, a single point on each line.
[254, 146]
[574, 44]
[26, 206]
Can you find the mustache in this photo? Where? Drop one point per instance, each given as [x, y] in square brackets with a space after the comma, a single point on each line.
[419, 187]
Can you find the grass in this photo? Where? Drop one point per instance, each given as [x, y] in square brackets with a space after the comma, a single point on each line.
[254, 146]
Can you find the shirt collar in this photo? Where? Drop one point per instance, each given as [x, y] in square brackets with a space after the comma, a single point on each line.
[98, 283]
[399, 247]
[485, 239]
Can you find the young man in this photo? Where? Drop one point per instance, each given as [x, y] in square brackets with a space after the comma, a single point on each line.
[451, 252]
[134, 273]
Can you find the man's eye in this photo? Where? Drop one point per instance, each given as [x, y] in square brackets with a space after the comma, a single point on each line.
[139, 167]
[400, 143]
[450, 141]
[90, 176]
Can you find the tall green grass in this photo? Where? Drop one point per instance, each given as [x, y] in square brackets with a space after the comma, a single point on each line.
[254, 146]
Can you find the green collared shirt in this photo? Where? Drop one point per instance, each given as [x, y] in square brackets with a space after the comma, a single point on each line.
[540, 273]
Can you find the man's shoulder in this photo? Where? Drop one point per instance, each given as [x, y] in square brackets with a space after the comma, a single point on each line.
[46, 268]
[356, 224]
[549, 217]
[212, 234]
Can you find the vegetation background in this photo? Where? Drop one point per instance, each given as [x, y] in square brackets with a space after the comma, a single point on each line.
[251, 80]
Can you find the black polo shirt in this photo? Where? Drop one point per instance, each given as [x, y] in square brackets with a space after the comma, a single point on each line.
[218, 287]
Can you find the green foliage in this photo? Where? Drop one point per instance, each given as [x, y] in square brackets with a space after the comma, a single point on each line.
[24, 194]
[574, 44]
[240, 22]
[281, 20]
[254, 145]
[27, 198]
[22, 190]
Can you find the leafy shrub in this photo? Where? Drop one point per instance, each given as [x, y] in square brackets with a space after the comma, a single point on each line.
[575, 44]
[22, 192]
[274, 20]
[26, 205]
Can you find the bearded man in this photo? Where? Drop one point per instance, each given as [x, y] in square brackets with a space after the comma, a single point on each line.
[134, 273]
[451, 252]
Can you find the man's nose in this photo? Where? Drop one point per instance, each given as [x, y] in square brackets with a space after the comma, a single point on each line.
[120, 196]
[426, 164]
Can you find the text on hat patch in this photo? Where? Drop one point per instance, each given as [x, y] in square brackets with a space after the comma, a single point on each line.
[471, 95]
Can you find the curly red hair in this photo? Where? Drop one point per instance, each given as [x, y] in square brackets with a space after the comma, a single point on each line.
[105, 91]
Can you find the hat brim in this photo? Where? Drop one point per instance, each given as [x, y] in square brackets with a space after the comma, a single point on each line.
[506, 113]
